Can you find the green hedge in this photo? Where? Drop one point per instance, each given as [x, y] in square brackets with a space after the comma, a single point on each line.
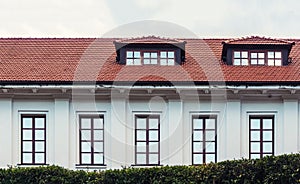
[271, 169]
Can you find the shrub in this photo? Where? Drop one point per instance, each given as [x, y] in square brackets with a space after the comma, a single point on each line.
[270, 169]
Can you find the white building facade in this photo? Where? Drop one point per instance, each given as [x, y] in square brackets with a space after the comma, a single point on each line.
[108, 126]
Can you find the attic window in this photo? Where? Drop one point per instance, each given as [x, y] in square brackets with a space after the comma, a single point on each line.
[165, 57]
[270, 58]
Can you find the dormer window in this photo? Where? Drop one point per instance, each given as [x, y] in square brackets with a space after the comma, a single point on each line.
[244, 58]
[165, 58]
[150, 51]
[256, 51]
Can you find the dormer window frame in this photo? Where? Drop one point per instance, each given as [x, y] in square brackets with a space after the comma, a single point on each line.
[239, 57]
[153, 57]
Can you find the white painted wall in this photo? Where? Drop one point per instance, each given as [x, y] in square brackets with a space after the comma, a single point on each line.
[175, 116]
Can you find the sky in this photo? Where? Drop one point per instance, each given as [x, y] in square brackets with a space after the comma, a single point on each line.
[197, 18]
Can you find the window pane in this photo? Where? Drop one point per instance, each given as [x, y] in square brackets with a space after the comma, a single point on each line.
[27, 146]
[210, 147]
[40, 146]
[85, 123]
[98, 146]
[210, 123]
[141, 147]
[86, 158]
[154, 61]
[129, 61]
[171, 55]
[244, 54]
[98, 135]
[141, 123]
[198, 124]
[277, 62]
[267, 147]
[153, 123]
[153, 147]
[137, 62]
[146, 55]
[129, 54]
[153, 55]
[153, 135]
[278, 55]
[255, 147]
[255, 156]
[163, 62]
[237, 54]
[210, 158]
[171, 62]
[244, 61]
[39, 158]
[86, 146]
[86, 135]
[255, 135]
[198, 146]
[261, 55]
[146, 61]
[27, 134]
[254, 61]
[153, 158]
[39, 123]
[98, 158]
[271, 62]
[137, 54]
[253, 55]
[98, 123]
[163, 54]
[198, 158]
[141, 135]
[27, 157]
[267, 135]
[271, 55]
[141, 158]
[255, 124]
[27, 122]
[267, 123]
[261, 61]
[237, 62]
[198, 135]
[210, 135]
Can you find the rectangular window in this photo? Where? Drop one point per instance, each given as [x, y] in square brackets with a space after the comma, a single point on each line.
[33, 139]
[257, 58]
[147, 140]
[240, 58]
[261, 136]
[204, 140]
[274, 58]
[91, 139]
[150, 58]
[133, 58]
[167, 58]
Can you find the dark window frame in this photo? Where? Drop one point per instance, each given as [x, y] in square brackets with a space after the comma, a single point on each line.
[261, 130]
[147, 153]
[92, 140]
[204, 141]
[266, 58]
[151, 51]
[33, 140]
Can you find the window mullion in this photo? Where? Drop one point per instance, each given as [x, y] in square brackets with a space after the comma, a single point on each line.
[33, 140]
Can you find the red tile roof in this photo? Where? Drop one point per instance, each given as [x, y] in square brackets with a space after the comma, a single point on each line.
[94, 59]
[258, 40]
[150, 39]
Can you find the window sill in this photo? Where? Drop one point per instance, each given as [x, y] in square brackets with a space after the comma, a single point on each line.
[32, 165]
[90, 167]
[146, 165]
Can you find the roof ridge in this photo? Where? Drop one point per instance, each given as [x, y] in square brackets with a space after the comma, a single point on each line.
[257, 37]
[149, 37]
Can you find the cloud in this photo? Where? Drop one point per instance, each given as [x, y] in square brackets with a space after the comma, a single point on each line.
[56, 18]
